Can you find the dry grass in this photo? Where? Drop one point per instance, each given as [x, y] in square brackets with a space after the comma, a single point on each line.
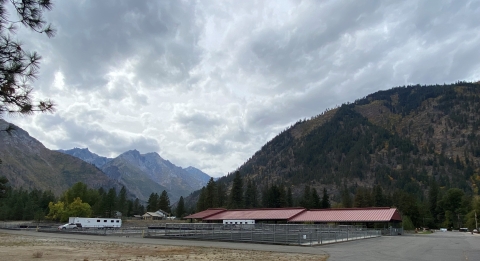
[14, 247]
[37, 254]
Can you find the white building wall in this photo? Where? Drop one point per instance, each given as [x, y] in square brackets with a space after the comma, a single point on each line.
[238, 221]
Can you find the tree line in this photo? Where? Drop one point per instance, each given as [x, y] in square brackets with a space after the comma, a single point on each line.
[247, 196]
[79, 200]
[441, 207]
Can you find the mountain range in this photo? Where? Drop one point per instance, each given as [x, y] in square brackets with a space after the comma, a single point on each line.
[27, 163]
[143, 174]
[404, 139]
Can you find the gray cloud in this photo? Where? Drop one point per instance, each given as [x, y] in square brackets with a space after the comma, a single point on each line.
[208, 83]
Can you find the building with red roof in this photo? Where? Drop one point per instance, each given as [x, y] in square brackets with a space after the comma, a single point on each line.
[206, 213]
[300, 215]
[274, 215]
[348, 215]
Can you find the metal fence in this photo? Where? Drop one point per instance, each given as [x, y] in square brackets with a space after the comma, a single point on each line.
[392, 231]
[288, 234]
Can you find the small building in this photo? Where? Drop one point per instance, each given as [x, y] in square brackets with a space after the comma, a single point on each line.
[157, 215]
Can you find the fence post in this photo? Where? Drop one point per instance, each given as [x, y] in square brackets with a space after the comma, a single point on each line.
[251, 233]
[286, 233]
[274, 231]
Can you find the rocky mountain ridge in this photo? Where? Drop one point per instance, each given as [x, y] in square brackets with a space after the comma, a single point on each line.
[27, 163]
[146, 173]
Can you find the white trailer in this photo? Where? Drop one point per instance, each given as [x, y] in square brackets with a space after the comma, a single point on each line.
[95, 222]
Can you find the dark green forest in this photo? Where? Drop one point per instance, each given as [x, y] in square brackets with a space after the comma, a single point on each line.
[79, 200]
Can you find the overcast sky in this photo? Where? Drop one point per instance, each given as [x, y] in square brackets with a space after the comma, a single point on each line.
[207, 83]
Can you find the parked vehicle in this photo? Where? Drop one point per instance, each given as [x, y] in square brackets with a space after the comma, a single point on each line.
[85, 223]
[69, 226]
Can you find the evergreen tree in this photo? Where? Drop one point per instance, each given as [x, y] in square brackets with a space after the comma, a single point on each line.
[137, 208]
[3, 186]
[110, 203]
[211, 194]
[236, 194]
[346, 198]
[122, 205]
[433, 199]
[201, 206]
[306, 200]
[315, 199]
[164, 202]
[325, 199]
[221, 195]
[289, 197]
[378, 197]
[17, 66]
[180, 211]
[251, 195]
[265, 192]
[152, 203]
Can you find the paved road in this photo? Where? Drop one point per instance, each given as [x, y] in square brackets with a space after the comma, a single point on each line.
[446, 246]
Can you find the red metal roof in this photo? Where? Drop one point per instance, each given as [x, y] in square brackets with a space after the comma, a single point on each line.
[206, 213]
[348, 215]
[257, 214]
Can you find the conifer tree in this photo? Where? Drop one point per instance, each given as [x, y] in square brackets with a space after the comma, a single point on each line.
[306, 200]
[164, 202]
[110, 203]
[211, 194]
[221, 195]
[19, 67]
[325, 199]
[3, 186]
[201, 200]
[378, 197]
[346, 198]
[433, 198]
[122, 205]
[315, 199]
[236, 194]
[289, 197]
[251, 200]
[180, 211]
[152, 202]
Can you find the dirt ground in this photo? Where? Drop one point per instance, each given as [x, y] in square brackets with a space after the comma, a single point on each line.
[16, 247]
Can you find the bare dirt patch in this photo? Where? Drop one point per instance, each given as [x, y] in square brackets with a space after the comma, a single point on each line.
[17, 247]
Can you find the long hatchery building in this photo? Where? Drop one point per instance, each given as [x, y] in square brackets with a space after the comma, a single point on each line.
[388, 217]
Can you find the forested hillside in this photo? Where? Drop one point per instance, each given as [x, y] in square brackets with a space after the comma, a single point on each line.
[414, 147]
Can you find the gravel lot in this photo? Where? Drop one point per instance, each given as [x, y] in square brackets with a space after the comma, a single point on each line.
[28, 247]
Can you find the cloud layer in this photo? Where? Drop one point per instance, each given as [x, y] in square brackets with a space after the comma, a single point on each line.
[207, 83]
